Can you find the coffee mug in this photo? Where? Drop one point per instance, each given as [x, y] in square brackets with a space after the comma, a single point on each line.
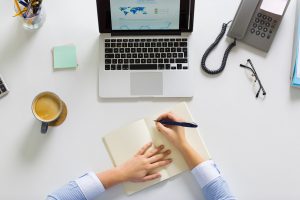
[47, 108]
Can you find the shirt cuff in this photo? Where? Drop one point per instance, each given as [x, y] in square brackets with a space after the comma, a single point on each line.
[90, 185]
[206, 172]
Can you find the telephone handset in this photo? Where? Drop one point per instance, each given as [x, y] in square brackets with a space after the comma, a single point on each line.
[255, 24]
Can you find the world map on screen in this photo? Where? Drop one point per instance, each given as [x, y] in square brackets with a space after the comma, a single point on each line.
[133, 10]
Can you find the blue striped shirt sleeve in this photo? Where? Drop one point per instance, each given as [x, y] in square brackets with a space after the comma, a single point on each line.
[70, 191]
[87, 187]
[214, 187]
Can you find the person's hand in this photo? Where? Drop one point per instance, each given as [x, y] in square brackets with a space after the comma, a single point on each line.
[174, 134]
[142, 166]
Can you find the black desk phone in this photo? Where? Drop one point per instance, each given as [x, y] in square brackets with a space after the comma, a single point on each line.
[255, 25]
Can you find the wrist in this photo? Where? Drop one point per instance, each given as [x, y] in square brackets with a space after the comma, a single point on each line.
[184, 146]
[121, 174]
[111, 177]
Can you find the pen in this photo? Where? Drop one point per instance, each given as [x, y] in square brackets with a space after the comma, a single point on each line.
[172, 123]
[17, 5]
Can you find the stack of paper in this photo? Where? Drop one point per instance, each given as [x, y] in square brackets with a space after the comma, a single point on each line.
[295, 72]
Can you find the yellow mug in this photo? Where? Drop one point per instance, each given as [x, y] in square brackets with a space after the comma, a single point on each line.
[47, 108]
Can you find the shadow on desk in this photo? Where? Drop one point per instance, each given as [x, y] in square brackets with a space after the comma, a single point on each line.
[295, 94]
[33, 142]
[151, 99]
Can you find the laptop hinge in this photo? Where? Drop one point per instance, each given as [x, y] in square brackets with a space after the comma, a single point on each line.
[144, 33]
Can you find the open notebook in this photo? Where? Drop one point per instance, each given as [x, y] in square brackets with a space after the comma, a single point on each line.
[123, 143]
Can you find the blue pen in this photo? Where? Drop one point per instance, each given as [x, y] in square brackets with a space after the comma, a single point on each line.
[23, 3]
[183, 124]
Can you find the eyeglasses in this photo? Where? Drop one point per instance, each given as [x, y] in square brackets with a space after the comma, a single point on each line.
[252, 75]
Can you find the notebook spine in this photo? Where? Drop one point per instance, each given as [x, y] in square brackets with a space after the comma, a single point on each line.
[109, 153]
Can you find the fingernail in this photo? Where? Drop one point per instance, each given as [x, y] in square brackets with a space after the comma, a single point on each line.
[168, 152]
[161, 146]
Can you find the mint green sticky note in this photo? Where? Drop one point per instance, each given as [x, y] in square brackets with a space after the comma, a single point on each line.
[65, 57]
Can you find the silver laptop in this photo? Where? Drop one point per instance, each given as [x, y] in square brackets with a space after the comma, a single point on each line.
[144, 48]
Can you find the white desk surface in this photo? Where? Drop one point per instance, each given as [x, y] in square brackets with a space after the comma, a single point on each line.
[256, 144]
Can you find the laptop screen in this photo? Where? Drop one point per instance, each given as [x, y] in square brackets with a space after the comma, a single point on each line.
[145, 15]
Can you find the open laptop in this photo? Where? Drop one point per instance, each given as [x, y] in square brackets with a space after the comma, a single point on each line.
[144, 48]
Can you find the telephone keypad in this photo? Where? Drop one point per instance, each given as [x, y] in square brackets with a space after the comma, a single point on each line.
[263, 24]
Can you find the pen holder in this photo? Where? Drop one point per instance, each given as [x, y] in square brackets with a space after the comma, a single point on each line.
[31, 18]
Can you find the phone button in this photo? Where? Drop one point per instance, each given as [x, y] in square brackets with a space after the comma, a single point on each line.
[252, 30]
[265, 29]
[260, 27]
[262, 22]
[259, 14]
[257, 32]
[264, 17]
[263, 35]
[257, 20]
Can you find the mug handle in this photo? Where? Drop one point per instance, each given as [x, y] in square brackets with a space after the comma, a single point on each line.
[44, 127]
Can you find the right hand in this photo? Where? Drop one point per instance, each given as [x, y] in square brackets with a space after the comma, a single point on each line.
[175, 134]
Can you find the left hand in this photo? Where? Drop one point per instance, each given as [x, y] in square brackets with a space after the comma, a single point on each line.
[141, 167]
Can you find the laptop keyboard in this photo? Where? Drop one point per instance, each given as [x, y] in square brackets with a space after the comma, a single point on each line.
[146, 54]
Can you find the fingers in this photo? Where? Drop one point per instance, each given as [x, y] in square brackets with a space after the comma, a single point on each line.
[158, 164]
[151, 177]
[161, 128]
[169, 116]
[159, 157]
[154, 151]
[143, 150]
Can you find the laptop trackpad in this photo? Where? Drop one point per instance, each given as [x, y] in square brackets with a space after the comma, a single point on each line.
[146, 83]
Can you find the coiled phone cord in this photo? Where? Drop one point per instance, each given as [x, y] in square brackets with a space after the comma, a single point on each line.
[212, 47]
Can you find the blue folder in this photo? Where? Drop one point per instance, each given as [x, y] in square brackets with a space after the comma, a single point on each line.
[295, 81]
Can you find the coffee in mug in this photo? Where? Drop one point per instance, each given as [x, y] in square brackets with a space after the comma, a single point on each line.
[47, 107]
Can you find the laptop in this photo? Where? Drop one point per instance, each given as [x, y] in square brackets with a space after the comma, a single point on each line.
[144, 48]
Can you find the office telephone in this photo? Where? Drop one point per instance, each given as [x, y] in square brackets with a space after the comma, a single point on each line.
[255, 23]
[256, 26]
